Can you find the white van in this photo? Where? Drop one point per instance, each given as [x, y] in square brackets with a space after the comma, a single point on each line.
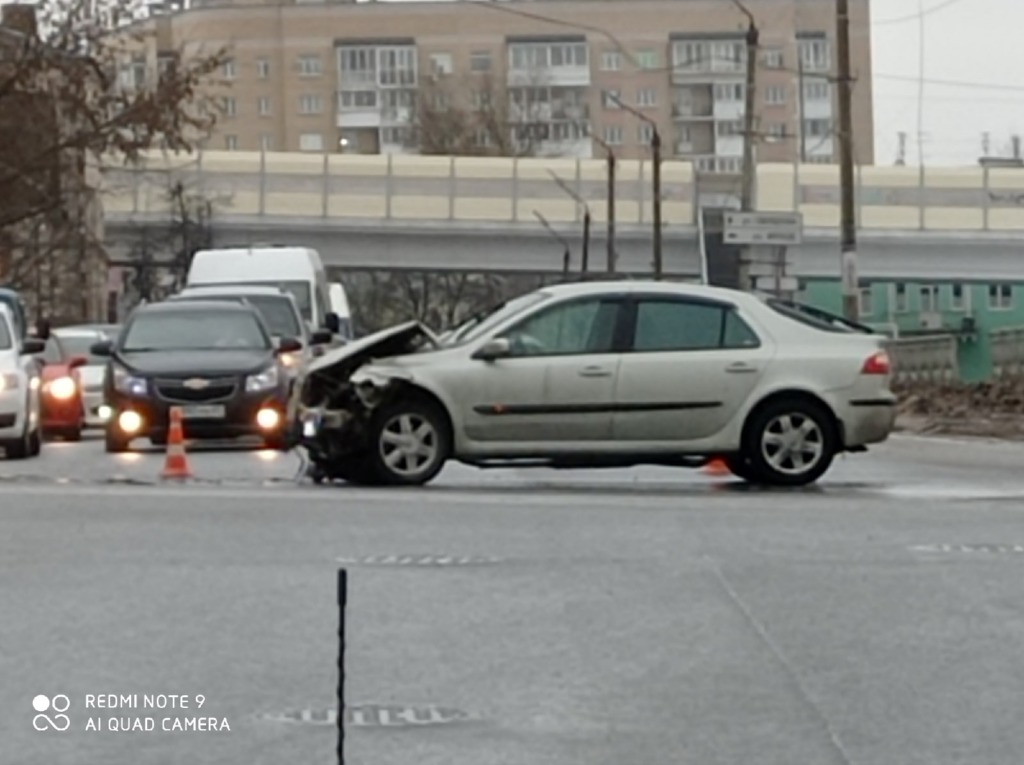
[339, 304]
[296, 270]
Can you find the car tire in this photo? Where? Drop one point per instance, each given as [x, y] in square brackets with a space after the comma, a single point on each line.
[72, 434]
[114, 443]
[743, 468]
[35, 443]
[423, 428]
[808, 442]
[357, 471]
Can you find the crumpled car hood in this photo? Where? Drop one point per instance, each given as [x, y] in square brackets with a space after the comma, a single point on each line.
[339, 363]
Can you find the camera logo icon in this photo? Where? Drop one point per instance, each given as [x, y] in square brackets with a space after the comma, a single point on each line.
[58, 721]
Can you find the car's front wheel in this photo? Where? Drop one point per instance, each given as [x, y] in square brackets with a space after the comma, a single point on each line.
[114, 442]
[790, 442]
[410, 442]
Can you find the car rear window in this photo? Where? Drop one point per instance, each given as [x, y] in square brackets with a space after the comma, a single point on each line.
[817, 318]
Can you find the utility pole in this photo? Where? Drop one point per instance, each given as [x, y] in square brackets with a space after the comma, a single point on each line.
[747, 203]
[901, 151]
[848, 217]
[986, 144]
[566, 252]
[610, 154]
[585, 260]
[802, 101]
[1015, 142]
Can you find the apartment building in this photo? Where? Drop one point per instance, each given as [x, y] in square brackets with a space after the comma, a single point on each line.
[547, 77]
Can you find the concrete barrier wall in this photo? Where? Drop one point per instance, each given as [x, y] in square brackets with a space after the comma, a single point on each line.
[924, 359]
[1007, 350]
[504, 189]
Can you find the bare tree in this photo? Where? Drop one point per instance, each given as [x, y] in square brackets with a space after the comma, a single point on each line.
[481, 116]
[82, 80]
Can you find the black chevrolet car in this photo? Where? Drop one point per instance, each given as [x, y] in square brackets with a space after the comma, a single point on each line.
[217, 361]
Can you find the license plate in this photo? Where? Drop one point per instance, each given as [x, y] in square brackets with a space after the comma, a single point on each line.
[207, 412]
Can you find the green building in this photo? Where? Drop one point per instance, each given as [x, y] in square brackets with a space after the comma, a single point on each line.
[970, 311]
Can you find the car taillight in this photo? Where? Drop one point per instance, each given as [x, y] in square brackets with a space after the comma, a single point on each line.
[877, 364]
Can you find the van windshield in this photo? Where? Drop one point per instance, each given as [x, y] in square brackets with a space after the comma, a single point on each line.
[276, 311]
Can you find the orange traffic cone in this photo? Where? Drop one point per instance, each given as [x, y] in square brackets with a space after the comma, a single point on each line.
[176, 463]
[716, 466]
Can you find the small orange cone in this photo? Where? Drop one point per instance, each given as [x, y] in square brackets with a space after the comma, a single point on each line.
[716, 466]
[175, 463]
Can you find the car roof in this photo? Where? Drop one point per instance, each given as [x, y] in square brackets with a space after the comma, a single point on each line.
[649, 286]
[232, 289]
[77, 332]
[181, 306]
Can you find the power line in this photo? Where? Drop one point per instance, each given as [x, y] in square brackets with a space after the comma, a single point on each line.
[916, 16]
[952, 83]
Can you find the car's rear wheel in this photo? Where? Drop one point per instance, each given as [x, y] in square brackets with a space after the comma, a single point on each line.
[410, 442]
[790, 442]
[35, 443]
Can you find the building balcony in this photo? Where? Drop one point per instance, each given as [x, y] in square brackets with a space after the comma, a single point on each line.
[550, 77]
[692, 112]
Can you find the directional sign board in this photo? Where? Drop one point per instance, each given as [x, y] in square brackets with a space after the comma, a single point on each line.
[765, 228]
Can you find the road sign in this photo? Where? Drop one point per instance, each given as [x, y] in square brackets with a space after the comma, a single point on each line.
[780, 228]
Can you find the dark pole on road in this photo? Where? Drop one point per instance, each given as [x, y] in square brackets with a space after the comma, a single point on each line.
[655, 180]
[568, 249]
[610, 154]
[342, 603]
[585, 258]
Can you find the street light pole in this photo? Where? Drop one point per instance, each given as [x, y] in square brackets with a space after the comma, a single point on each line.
[655, 180]
[848, 215]
[610, 154]
[567, 254]
[585, 258]
[747, 202]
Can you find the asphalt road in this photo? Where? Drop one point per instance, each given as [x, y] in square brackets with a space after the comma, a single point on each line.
[648, 617]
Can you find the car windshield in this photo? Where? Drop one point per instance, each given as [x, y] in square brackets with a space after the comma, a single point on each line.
[81, 345]
[487, 321]
[54, 352]
[300, 291]
[195, 331]
[6, 343]
[276, 311]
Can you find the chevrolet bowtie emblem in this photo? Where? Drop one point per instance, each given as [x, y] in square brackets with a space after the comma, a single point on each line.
[196, 383]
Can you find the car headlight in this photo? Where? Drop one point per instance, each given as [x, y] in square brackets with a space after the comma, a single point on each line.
[265, 380]
[290, 360]
[62, 388]
[125, 382]
[8, 382]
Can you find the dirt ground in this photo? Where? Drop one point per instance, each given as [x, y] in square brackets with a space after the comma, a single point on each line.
[990, 410]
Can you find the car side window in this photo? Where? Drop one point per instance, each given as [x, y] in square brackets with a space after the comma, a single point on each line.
[582, 326]
[680, 325]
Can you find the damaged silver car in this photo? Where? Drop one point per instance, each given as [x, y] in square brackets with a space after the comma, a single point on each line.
[602, 375]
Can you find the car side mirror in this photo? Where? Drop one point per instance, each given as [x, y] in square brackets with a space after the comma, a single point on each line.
[77, 361]
[332, 323]
[495, 348]
[32, 345]
[321, 337]
[103, 348]
[289, 345]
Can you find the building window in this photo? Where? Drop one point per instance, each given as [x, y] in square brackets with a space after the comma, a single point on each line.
[645, 134]
[777, 129]
[267, 142]
[263, 68]
[480, 61]
[231, 142]
[820, 159]
[228, 70]
[864, 297]
[900, 297]
[929, 298]
[613, 135]
[481, 99]
[311, 142]
[773, 59]
[647, 97]
[230, 107]
[311, 104]
[359, 99]
[263, 106]
[728, 129]
[775, 95]
[730, 91]
[532, 56]
[1000, 297]
[394, 136]
[817, 128]
[610, 99]
[647, 59]
[817, 91]
[482, 138]
[441, 63]
[816, 55]
[396, 66]
[956, 298]
[691, 56]
[611, 61]
[310, 66]
[440, 101]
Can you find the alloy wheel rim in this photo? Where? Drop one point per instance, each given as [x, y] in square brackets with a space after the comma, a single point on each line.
[408, 445]
[793, 444]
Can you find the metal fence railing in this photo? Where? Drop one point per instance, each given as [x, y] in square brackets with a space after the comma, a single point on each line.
[924, 359]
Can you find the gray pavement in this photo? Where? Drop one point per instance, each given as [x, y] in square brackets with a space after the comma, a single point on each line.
[646, 616]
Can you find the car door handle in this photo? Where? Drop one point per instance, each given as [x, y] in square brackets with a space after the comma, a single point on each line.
[740, 368]
[595, 372]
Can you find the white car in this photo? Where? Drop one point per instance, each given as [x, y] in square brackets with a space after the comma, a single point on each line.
[604, 375]
[78, 341]
[20, 436]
